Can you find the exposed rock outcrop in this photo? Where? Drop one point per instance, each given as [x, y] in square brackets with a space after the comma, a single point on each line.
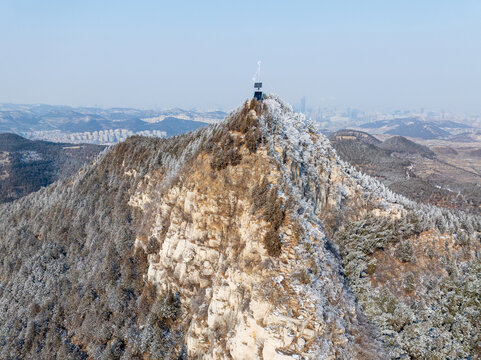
[239, 300]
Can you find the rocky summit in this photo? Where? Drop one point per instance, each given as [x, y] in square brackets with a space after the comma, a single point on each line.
[248, 239]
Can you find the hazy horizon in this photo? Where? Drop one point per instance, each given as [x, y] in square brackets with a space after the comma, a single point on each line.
[159, 55]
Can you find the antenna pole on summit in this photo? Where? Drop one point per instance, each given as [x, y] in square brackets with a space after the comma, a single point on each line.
[258, 84]
[259, 71]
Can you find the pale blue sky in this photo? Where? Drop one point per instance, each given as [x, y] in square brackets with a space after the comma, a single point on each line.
[369, 54]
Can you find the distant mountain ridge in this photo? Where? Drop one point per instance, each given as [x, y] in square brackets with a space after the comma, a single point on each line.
[40, 121]
[414, 127]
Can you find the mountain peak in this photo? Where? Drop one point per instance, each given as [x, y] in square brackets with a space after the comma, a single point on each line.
[245, 217]
[245, 239]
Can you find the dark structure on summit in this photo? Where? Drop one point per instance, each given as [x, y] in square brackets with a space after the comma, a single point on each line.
[258, 84]
[258, 93]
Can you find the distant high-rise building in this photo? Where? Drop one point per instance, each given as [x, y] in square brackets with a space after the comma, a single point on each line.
[302, 108]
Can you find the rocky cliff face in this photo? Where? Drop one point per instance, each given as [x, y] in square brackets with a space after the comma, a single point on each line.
[250, 239]
[216, 226]
[240, 301]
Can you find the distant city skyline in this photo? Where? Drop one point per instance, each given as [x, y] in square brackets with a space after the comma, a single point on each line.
[150, 54]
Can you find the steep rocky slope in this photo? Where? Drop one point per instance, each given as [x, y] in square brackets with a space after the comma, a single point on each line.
[248, 239]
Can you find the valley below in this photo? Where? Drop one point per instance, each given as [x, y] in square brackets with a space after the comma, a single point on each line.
[440, 172]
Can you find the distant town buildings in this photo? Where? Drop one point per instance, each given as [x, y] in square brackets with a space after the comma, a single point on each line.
[102, 137]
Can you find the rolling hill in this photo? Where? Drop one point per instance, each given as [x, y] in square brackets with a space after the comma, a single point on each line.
[415, 128]
[414, 170]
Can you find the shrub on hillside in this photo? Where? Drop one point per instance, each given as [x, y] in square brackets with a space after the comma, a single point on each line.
[273, 243]
[405, 251]
[153, 245]
[225, 152]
